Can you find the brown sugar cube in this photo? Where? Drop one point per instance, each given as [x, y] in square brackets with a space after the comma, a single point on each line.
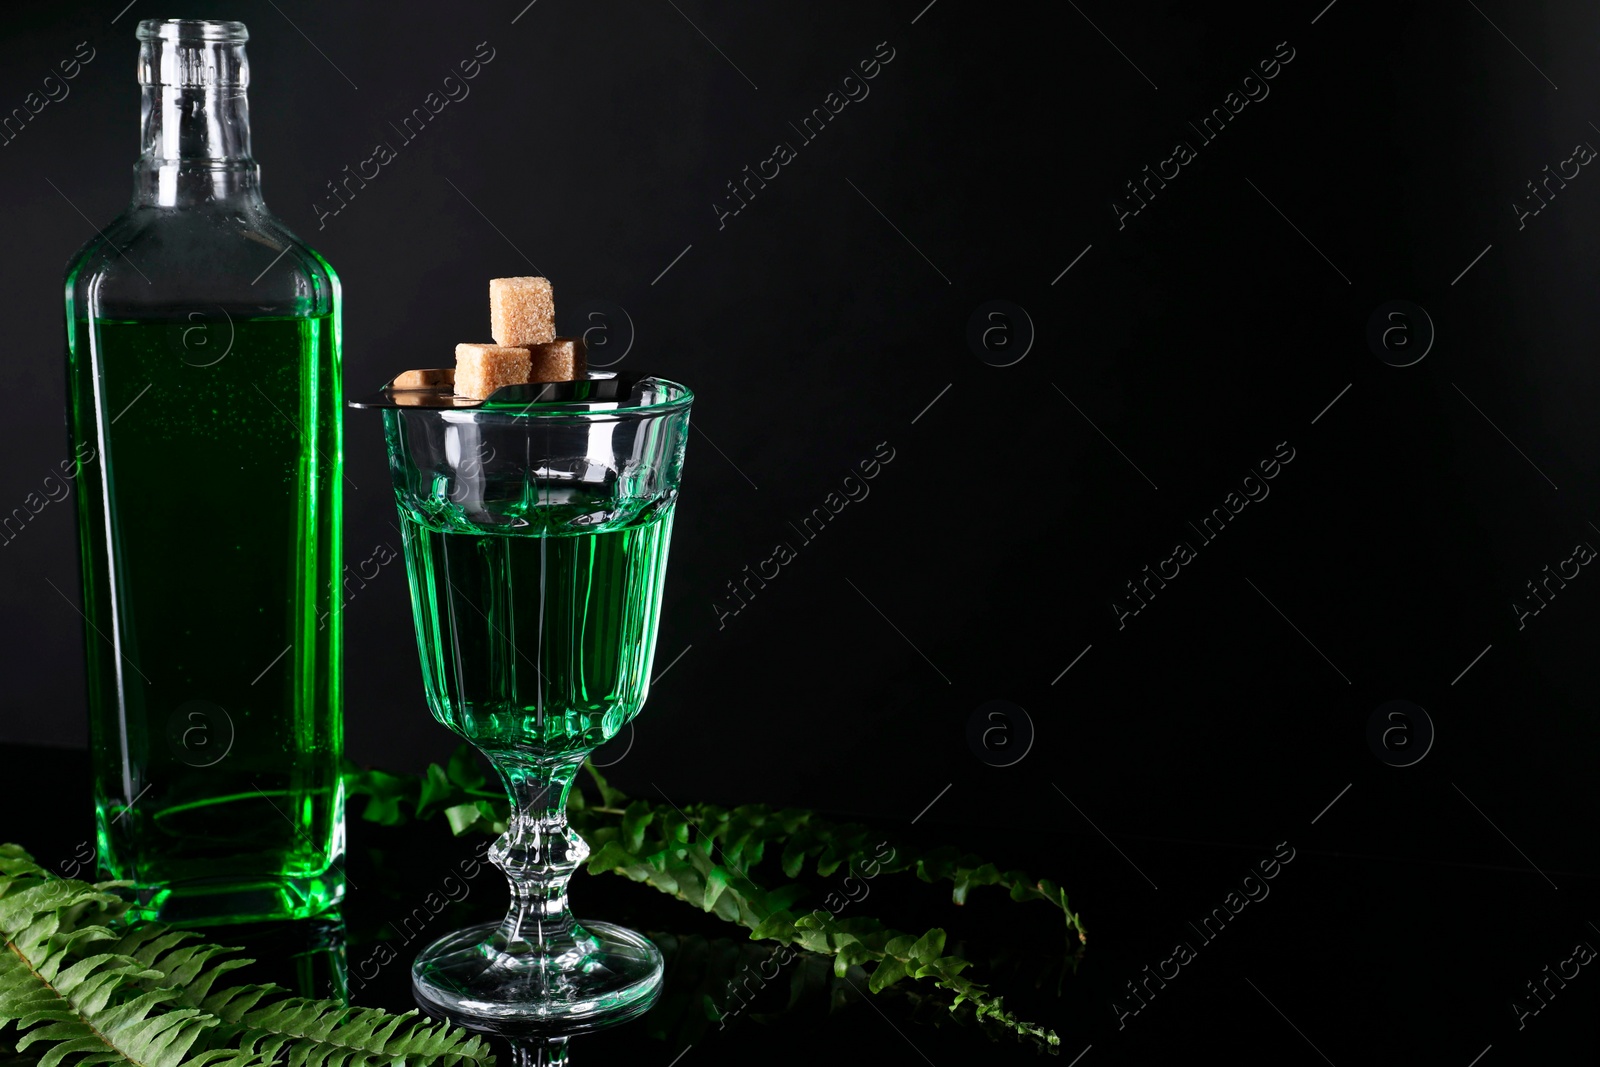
[481, 369]
[561, 360]
[522, 311]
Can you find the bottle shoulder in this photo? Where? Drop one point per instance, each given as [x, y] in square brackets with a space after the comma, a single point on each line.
[150, 261]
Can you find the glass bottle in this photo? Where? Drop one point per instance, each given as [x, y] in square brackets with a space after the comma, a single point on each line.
[204, 414]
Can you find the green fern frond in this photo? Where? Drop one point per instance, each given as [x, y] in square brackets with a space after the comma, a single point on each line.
[306, 1033]
[80, 988]
[711, 857]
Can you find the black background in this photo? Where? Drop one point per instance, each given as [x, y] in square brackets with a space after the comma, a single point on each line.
[1170, 356]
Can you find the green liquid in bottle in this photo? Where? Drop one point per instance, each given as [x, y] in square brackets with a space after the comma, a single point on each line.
[538, 642]
[209, 519]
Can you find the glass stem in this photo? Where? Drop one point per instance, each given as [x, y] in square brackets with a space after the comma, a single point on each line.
[538, 853]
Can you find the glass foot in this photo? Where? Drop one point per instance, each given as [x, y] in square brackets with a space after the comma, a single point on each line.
[609, 975]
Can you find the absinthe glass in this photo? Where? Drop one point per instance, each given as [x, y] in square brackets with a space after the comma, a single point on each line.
[536, 542]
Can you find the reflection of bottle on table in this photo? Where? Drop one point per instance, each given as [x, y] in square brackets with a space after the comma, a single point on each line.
[203, 373]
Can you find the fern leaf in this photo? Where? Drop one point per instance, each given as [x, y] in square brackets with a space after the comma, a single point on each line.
[677, 851]
[80, 991]
[311, 1033]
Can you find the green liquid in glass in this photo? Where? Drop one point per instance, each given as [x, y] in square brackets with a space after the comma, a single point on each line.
[538, 642]
[208, 519]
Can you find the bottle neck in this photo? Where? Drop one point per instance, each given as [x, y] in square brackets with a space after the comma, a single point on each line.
[196, 128]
